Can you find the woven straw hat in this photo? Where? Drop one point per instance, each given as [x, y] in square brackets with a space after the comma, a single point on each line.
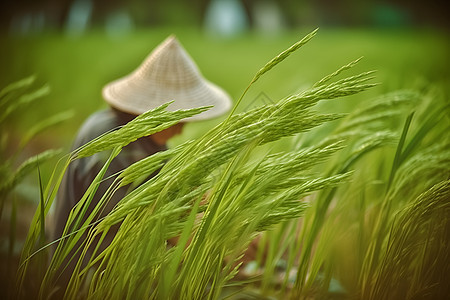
[168, 73]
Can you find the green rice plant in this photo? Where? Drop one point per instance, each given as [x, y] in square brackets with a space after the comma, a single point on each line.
[415, 260]
[361, 134]
[15, 166]
[416, 175]
[410, 175]
[313, 235]
[157, 118]
[419, 164]
[212, 194]
[372, 194]
[346, 217]
[13, 98]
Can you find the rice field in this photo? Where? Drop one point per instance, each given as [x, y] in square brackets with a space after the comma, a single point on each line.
[329, 180]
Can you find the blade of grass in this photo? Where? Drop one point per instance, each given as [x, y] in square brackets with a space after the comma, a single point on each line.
[17, 85]
[379, 233]
[170, 270]
[12, 243]
[24, 100]
[45, 124]
[424, 129]
[42, 209]
[272, 63]
[398, 154]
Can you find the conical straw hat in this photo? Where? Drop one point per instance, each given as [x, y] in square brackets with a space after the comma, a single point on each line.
[167, 74]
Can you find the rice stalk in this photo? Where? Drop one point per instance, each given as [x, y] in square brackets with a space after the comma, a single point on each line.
[283, 55]
[365, 131]
[337, 72]
[145, 124]
[44, 124]
[25, 168]
[415, 262]
[406, 174]
[273, 62]
[18, 85]
[200, 176]
[204, 165]
[22, 101]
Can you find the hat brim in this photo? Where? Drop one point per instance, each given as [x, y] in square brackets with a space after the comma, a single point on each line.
[137, 97]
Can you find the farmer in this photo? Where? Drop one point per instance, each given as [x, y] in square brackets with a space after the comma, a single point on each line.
[168, 73]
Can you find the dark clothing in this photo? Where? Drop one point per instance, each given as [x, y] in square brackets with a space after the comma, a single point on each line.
[81, 172]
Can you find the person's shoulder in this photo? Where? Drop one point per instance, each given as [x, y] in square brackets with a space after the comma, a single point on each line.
[95, 125]
[100, 118]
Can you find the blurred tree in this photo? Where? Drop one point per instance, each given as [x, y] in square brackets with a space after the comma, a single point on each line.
[29, 14]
